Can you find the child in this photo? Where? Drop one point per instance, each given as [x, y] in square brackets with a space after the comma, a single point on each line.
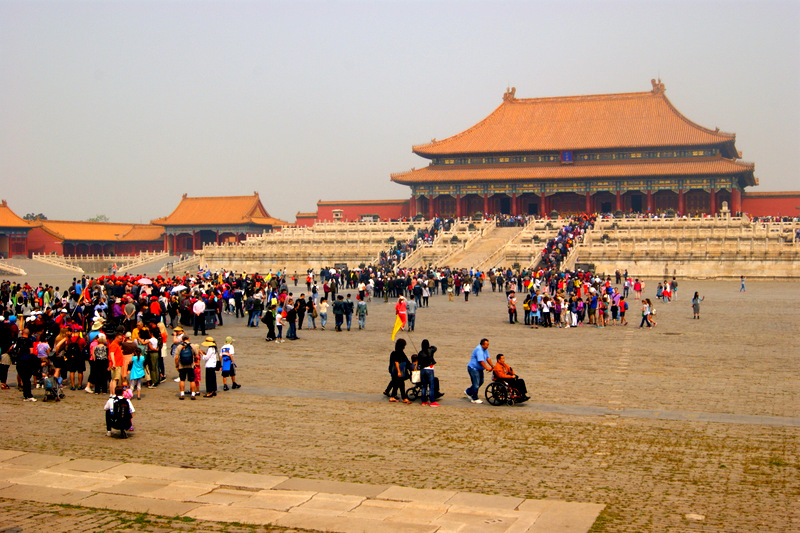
[137, 374]
[51, 385]
[228, 365]
[280, 321]
[362, 312]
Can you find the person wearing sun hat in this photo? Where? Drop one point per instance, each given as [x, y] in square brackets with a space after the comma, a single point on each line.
[208, 351]
[228, 364]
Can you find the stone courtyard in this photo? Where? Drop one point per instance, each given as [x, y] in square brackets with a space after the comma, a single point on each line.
[691, 426]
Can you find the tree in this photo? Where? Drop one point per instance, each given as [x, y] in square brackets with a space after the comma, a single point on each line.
[98, 218]
[31, 216]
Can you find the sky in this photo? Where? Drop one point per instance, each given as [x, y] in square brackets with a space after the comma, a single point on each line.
[118, 108]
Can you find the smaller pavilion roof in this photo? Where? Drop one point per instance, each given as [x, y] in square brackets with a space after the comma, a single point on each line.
[219, 211]
[101, 231]
[9, 219]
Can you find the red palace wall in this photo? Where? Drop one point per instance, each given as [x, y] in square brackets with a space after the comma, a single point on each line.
[352, 211]
[41, 242]
[764, 204]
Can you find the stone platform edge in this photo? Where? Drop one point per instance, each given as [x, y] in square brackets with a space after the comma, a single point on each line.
[258, 499]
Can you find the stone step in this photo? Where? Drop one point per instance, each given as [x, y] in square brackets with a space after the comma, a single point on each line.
[257, 499]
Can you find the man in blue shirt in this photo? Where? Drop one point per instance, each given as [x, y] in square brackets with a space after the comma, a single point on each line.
[479, 363]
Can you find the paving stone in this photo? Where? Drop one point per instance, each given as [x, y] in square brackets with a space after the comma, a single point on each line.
[44, 494]
[406, 494]
[36, 460]
[8, 473]
[524, 523]
[565, 516]
[251, 481]
[378, 509]
[470, 499]
[137, 504]
[350, 524]
[132, 487]
[332, 487]
[169, 473]
[339, 503]
[224, 513]
[181, 491]
[85, 465]
[223, 497]
[485, 522]
[58, 480]
[9, 454]
[278, 500]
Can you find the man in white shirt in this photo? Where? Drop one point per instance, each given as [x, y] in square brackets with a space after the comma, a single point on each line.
[199, 314]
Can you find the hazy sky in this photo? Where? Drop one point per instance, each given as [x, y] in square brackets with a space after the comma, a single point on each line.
[118, 108]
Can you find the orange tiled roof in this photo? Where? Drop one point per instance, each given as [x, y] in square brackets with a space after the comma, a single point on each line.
[606, 121]
[218, 211]
[449, 174]
[267, 221]
[101, 231]
[143, 232]
[9, 219]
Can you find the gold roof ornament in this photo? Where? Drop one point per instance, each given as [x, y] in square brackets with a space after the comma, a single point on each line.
[658, 87]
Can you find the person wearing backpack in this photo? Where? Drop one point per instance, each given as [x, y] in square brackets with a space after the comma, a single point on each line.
[75, 361]
[115, 360]
[99, 363]
[26, 361]
[119, 413]
[184, 363]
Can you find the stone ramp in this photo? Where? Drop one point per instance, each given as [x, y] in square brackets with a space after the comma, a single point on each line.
[487, 245]
[36, 271]
[305, 504]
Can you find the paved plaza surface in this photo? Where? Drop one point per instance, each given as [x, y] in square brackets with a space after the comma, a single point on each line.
[691, 426]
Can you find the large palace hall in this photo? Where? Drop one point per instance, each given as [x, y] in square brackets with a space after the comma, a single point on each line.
[629, 152]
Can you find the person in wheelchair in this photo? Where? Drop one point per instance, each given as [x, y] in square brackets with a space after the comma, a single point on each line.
[505, 373]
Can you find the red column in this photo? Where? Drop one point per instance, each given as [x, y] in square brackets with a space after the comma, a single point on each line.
[485, 203]
[736, 201]
[217, 236]
[681, 202]
[649, 201]
[713, 201]
[543, 205]
[589, 209]
[430, 207]
[194, 240]
[166, 242]
[619, 201]
[412, 207]
[458, 206]
[514, 204]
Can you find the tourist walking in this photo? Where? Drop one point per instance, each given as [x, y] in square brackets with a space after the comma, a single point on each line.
[479, 362]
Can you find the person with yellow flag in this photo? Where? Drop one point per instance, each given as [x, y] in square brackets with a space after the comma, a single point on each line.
[401, 316]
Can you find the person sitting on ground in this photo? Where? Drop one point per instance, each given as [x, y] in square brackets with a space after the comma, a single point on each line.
[118, 414]
[504, 372]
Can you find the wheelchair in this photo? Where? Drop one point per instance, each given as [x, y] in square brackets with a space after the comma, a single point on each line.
[500, 392]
